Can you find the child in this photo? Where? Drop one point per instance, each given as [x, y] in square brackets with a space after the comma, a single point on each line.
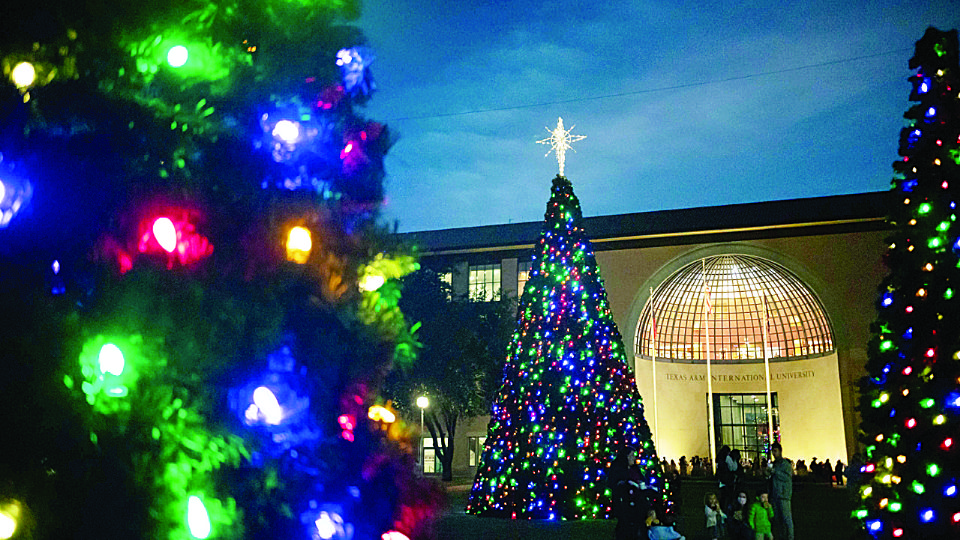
[656, 531]
[737, 528]
[760, 515]
[715, 516]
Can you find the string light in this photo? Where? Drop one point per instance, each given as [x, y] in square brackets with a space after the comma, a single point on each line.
[570, 404]
[198, 521]
[299, 245]
[23, 75]
[177, 56]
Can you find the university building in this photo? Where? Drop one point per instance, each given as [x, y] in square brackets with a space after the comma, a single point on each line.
[695, 284]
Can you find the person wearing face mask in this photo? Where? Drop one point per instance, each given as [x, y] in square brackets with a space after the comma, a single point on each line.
[739, 529]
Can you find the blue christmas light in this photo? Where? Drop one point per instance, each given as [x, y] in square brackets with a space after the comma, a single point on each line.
[913, 137]
[354, 66]
[927, 515]
[931, 112]
[953, 400]
[924, 86]
[15, 193]
[276, 402]
[887, 299]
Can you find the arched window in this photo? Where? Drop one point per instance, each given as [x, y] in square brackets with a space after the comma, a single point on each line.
[740, 291]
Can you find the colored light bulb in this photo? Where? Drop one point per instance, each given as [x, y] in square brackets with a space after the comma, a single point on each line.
[371, 282]
[111, 359]
[8, 524]
[326, 526]
[287, 131]
[299, 245]
[267, 402]
[165, 233]
[23, 75]
[177, 56]
[198, 521]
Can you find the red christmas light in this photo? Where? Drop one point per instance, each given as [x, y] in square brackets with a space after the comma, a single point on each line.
[173, 233]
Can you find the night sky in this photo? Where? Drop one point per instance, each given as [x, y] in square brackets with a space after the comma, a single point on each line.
[683, 104]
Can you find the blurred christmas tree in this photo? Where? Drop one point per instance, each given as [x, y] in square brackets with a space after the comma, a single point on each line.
[198, 307]
[568, 403]
[911, 398]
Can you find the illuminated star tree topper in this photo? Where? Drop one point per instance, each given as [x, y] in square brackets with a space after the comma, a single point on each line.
[559, 141]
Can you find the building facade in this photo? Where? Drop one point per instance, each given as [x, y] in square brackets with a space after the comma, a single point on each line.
[746, 321]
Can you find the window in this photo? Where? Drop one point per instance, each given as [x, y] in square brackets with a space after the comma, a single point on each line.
[484, 282]
[431, 463]
[475, 450]
[740, 421]
[523, 275]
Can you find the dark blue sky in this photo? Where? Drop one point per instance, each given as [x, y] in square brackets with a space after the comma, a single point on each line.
[684, 104]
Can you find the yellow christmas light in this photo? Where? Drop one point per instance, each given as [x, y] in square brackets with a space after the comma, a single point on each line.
[23, 75]
[299, 245]
[379, 413]
[901, 458]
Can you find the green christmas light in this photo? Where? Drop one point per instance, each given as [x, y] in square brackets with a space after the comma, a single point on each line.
[917, 487]
[924, 208]
[933, 469]
[927, 403]
[197, 518]
[895, 506]
[111, 360]
[177, 56]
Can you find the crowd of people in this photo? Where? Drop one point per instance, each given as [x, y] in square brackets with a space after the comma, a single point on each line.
[730, 512]
[697, 466]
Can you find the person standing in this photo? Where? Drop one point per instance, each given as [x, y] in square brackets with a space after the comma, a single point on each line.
[725, 472]
[759, 515]
[630, 505]
[781, 475]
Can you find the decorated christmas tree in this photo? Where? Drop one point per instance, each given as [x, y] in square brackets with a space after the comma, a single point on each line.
[910, 400]
[568, 403]
[198, 306]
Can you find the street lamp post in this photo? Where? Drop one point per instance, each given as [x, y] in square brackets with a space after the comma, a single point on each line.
[423, 403]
